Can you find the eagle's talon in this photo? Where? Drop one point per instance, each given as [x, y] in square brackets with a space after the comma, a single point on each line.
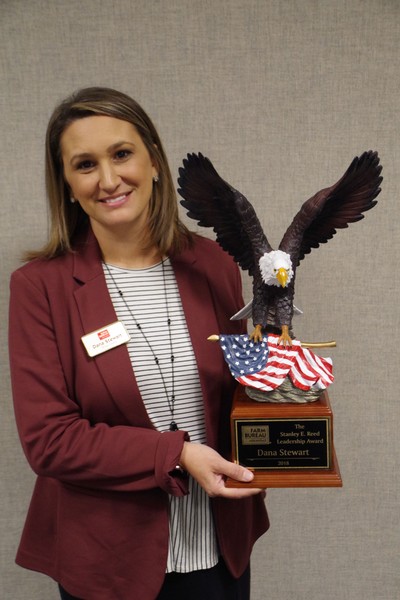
[285, 339]
[257, 334]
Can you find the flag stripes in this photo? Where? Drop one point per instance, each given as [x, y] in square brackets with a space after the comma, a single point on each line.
[266, 365]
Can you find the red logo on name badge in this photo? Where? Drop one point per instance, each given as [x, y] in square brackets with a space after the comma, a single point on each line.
[103, 334]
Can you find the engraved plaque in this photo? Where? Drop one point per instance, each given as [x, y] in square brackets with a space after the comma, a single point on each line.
[285, 444]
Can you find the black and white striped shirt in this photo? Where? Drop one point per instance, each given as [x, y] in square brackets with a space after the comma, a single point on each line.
[152, 296]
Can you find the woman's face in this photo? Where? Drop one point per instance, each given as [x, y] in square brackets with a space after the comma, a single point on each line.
[109, 172]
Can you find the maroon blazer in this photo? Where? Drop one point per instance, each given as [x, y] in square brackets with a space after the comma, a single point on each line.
[98, 518]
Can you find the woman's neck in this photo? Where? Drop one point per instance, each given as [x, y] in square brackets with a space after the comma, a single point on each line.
[125, 251]
[123, 257]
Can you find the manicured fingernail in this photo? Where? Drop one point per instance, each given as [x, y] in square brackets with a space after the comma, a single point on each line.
[247, 476]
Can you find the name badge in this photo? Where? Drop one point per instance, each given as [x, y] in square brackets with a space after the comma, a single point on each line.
[105, 338]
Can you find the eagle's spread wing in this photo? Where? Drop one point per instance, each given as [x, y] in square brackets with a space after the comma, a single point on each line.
[334, 207]
[214, 203]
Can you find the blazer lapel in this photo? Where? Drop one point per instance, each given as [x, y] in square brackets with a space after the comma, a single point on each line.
[198, 305]
[96, 310]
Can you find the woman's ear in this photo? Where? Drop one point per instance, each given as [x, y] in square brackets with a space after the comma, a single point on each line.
[154, 162]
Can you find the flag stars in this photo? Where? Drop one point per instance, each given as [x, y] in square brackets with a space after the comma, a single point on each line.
[242, 355]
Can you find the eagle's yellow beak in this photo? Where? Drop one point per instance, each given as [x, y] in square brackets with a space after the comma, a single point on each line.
[282, 276]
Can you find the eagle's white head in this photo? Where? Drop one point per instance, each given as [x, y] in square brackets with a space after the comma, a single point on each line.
[276, 268]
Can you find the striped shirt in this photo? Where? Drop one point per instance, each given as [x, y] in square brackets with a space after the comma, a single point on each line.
[150, 298]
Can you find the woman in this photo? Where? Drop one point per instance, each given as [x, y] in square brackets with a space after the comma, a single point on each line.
[121, 404]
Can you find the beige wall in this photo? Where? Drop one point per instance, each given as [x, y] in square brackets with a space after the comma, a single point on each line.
[280, 95]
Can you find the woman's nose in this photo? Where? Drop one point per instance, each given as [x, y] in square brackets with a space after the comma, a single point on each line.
[108, 177]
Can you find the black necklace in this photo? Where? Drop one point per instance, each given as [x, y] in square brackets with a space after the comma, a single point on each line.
[170, 398]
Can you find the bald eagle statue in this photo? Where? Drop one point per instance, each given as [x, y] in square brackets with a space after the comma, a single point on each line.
[212, 202]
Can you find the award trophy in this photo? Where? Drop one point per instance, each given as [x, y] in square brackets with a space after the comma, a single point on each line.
[281, 421]
[285, 435]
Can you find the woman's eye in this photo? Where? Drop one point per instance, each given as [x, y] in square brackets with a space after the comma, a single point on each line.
[121, 154]
[84, 165]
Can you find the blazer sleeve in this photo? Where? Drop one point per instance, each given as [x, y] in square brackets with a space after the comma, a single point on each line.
[57, 441]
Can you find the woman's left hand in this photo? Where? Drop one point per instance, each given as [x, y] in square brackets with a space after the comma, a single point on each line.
[211, 470]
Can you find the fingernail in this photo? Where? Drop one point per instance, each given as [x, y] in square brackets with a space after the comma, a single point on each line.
[248, 476]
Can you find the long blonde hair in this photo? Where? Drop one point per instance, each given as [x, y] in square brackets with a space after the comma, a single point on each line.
[67, 220]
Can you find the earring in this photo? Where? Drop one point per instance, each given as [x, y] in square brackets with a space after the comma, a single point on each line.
[155, 178]
[72, 200]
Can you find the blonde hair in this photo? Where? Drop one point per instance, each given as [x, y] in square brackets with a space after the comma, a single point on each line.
[68, 220]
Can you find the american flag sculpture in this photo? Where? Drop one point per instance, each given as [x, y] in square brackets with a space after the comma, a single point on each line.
[266, 365]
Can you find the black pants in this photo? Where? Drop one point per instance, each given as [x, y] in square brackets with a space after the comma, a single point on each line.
[211, 584]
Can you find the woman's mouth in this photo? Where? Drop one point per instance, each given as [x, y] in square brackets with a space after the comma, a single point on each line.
[116, 200]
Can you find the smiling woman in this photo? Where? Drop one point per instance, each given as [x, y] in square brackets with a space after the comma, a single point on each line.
[68, 221]
[128, 434]
[110, 173]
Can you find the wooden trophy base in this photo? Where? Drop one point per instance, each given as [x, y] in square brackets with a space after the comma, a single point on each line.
[284, 444]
